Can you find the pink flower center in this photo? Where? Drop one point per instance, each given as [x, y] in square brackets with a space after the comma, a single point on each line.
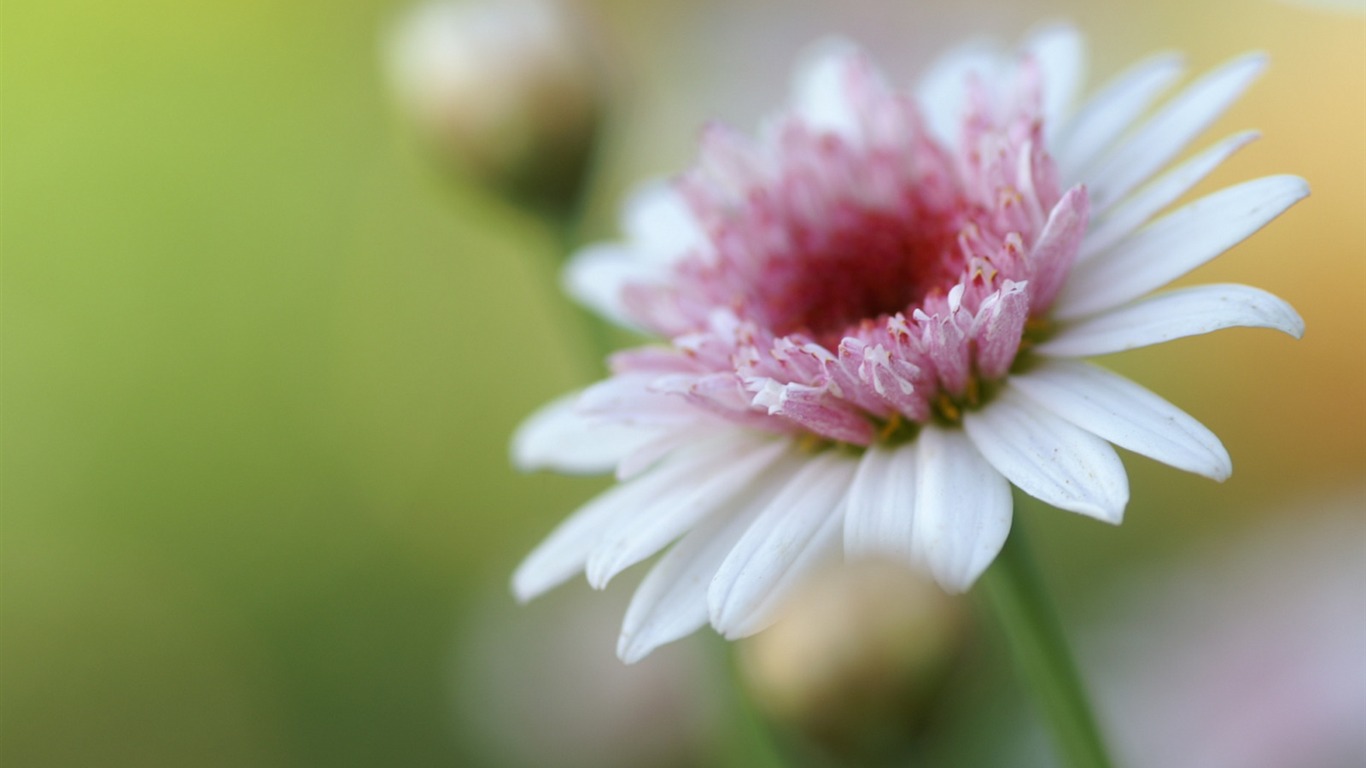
[845, 285]
[865, 265]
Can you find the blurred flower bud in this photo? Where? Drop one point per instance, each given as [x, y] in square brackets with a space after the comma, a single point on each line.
[502, 89]
[542, 686]
[856, 658]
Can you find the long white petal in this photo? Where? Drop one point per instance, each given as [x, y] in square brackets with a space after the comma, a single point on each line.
[1114, 108]
[1115, 408]
[728, 469]
[790, 536]
[1048, 458]
[671, 601]
[557, 437]
[565, 551]
[880, 511]
[1167, 133]
[1135, 211]
[1061, 54]
[1175, 244]
[1172, 315]
[963, 508]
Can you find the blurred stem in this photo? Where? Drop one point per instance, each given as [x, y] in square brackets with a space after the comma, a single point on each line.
[1017, 597]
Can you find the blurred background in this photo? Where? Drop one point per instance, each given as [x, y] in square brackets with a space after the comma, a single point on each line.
[264, 345]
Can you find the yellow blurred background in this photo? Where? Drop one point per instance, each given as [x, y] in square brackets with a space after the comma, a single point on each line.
[261, 359]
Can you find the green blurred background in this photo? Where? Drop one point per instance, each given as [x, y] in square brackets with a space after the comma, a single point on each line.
[261, 360]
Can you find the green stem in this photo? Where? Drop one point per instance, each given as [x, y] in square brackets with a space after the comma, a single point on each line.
[1017, 596]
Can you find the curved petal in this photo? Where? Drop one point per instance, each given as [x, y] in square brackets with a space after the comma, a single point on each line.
[1115, 408]
[565, 551]
[1106, 115]
[558, 437]
[963, 508]
[789, 537]
[1135, 212]
[729, 469]
[1049, 458]
[1061, 55]
[1167, 133]
[879, 512]
[1175, 244]
[1173, 315]
[671, 602]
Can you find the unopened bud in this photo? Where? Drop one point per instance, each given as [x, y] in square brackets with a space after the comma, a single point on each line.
[503, 89]
[856, 658]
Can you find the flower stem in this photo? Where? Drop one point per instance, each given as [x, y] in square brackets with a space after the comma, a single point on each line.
[1039, 650]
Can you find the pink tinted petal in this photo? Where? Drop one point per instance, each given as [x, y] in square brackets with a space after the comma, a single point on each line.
[999, 328]
[1052, 256]
[816, 410]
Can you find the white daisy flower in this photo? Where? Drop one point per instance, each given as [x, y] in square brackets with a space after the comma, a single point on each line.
[872, 319]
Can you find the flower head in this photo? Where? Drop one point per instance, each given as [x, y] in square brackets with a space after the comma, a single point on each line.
[871, 318]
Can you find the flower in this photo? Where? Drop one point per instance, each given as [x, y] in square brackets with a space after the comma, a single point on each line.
[873, 317]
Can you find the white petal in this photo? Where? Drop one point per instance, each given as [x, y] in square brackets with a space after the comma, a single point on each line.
[1061, 53]
[1134, 212]
[728, 468]
[1110, 406]
[1167, 133]
[1175, 244]
[671, 602]
[963, 508]
[659, 224]
[819, 93]
[788, 539]
[559, 438]
[942, 93]
[651, 451]
[1048, 458]
[565, 551]
[595, 275]
[1173, 315]
[880, 509]
[1114, 108]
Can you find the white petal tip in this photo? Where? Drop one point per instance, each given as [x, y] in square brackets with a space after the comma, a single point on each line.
[956, 586]
[1112, 515]
[1294, 325]
[523, 591]
[629, 651]
[1254, 62]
